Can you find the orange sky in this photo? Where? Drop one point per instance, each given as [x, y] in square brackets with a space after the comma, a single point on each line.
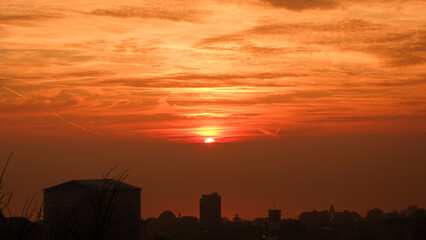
[178, 72]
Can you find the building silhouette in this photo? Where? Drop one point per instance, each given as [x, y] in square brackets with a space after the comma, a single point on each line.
[274, 220]
[237, 219]
[332, 213]
[330, 218]
[210, 211]
[99, 207]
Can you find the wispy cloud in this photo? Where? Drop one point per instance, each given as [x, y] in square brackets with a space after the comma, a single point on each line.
[166, 13]
[394, 46]
[299, 5]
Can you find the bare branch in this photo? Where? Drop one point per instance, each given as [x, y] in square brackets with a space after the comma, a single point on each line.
[5, 167]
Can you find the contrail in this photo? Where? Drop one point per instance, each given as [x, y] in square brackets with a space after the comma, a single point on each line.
[15, 92]
[57, 115]
[270, 133]
[76, 125]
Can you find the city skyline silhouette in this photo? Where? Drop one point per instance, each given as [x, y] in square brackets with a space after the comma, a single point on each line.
[111, 208]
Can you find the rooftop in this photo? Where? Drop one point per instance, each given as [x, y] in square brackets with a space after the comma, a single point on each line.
[98, 184]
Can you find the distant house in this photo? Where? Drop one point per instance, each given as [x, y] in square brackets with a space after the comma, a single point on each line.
[189, 223]
[97, 209]
[331, 218]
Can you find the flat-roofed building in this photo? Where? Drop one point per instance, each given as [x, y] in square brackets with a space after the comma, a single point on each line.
[80, 208]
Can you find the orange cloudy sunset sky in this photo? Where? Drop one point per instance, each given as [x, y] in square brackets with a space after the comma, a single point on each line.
[239, 71]
[232, 69]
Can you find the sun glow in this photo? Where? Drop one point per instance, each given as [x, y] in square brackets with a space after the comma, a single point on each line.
[209, 140]
[207, 131]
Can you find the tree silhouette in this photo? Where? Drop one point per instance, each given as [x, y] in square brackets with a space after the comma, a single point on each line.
[5, 196]
[375, 215]
[17, 228]
[105, 204]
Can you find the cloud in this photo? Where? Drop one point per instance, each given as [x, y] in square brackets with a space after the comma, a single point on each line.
[394, 46]
[372, 118]
[23, 15]
[9, 19]
[188, 80]
[346, 26]
[300, 5]
[172, 14]
[308, 33]
[38, 105]
[13, 57]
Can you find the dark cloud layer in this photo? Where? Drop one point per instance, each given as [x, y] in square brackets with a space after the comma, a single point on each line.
[299, 5]
[181, 14]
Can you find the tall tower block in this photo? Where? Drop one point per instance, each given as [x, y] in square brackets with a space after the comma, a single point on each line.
[210, 211]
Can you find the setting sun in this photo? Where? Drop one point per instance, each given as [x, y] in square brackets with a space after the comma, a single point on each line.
[209, 140]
